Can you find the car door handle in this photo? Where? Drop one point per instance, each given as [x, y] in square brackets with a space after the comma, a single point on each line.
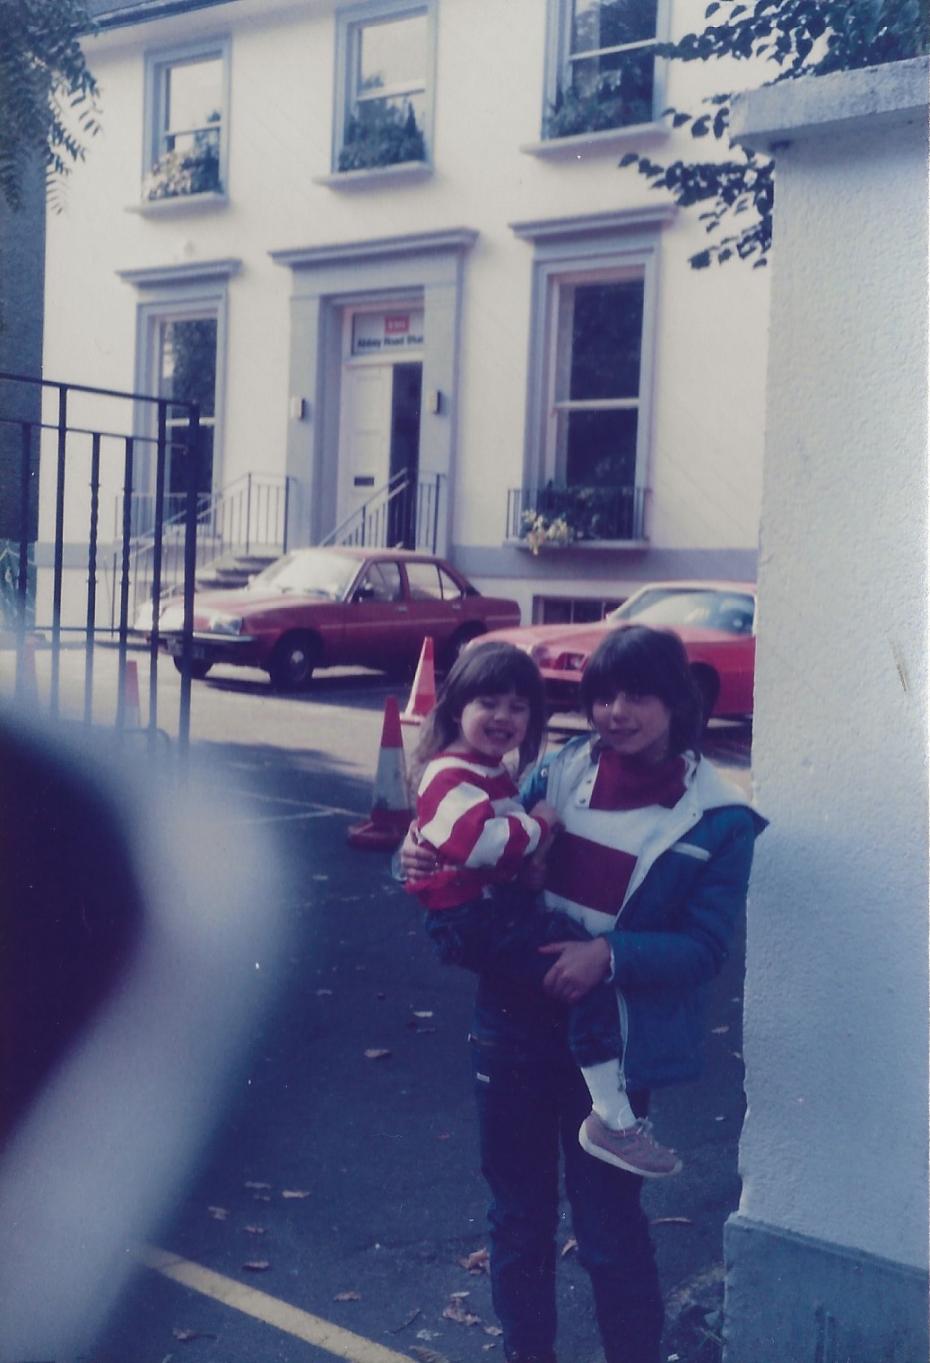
[403, 610]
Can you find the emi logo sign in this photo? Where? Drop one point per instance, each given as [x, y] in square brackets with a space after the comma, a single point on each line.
[397, 325]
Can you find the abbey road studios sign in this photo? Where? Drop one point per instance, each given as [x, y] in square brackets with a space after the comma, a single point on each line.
[376, 333]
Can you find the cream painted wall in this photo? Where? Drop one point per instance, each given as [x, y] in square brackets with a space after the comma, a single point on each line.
[834, 1145]
[710, 356]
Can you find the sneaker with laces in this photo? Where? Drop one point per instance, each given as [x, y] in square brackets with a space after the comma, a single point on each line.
[634, 1149]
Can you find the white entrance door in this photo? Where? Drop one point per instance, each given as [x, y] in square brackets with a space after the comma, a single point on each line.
[365, 434]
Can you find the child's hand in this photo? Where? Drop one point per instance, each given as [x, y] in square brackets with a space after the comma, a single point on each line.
[544, 810]
[417, 861]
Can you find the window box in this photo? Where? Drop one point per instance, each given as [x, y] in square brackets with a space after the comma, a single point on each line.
[554, 517]
[601, 66]
[186, 119]
[384, 85]
[381, 134]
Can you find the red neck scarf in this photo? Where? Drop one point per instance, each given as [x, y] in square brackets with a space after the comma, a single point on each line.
[624, 784]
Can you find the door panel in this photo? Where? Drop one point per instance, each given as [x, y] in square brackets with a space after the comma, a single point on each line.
[365, 434]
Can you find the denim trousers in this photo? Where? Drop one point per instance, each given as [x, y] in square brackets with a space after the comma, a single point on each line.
[500, 938]
[527, 1109]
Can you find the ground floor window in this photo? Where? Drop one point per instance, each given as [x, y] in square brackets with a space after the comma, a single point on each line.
[185, 360]
[572, 610]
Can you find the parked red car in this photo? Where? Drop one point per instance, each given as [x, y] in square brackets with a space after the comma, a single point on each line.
[714, 621]
[338, 606]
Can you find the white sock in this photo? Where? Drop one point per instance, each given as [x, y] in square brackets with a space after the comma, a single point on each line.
[608, 1095]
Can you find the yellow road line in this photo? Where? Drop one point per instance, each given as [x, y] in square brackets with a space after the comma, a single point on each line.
[262, 1306]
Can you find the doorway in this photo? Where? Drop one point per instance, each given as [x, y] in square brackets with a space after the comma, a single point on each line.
[379, 437]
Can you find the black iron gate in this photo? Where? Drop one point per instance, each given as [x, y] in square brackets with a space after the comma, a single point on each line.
[88, 449]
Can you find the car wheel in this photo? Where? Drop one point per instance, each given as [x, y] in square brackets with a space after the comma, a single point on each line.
[292, 662]
[708, 685]
[199, 668]
[453, 648]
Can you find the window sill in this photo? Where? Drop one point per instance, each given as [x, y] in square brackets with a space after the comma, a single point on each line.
[403, 172]
[579, 146]
[582, 546]
[179, 203]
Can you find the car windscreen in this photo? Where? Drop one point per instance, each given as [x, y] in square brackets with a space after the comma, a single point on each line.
[309, 572]
[731, 612]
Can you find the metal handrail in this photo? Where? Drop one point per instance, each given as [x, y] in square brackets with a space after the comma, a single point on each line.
[403, 510]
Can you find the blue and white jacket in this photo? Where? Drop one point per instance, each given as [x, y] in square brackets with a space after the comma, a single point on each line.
[672, 928]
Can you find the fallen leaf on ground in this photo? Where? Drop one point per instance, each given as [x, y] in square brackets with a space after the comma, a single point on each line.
[256, 1265]
[672, 1221]
[348, 1296]
[493, 1330]
[719, 1031]
[422, 1012]
[427, 1334]
[428, 1355]
[459, 1296]
[218, 1213]
[251, 1184]
[456, 1310]
[295, 1192]
[568, 1248]
[477, 1262]
[324, 993]
[254, 1230]
[376, 1053]
[185, 1336]
[408, 1320]
[261, 1197]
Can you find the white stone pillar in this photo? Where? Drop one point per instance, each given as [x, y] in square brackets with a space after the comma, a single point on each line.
[826, 1256]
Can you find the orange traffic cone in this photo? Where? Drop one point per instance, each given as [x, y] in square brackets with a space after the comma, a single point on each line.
[390, 811]
[423, 692]
[131, 711]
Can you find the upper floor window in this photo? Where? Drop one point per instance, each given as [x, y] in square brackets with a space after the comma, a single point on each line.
[186, 116]
[385, 107]
[603, 68]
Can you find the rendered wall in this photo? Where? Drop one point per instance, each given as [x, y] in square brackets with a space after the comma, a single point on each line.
[710, 347]
[833, 1154]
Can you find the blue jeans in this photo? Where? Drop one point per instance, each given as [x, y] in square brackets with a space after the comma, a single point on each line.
[500, 938]
[526, 1110]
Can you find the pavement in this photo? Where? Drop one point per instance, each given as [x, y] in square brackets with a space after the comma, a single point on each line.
[339, 1209]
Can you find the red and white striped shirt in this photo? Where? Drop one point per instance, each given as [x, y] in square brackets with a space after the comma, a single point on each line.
[468, 812]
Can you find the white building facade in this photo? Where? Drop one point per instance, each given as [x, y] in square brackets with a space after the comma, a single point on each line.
[390, 240]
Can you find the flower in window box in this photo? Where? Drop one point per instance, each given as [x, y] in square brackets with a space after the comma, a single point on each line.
[381, 134]
[541, 531]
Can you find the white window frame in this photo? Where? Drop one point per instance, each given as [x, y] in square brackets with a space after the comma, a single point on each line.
[586, 249]
[349, 26]
[184, 305]
[559, 365]
[559, 59]
[157, 65]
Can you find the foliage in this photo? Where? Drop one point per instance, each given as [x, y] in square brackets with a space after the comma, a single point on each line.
[608, 105]
[196, 171]
[48, 97]
[562, 515]
[381, 134]
[801, 38]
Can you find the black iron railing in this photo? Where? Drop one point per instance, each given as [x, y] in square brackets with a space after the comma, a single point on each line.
[95, 456]
[403, 514]
[248, 516]
[554, 515]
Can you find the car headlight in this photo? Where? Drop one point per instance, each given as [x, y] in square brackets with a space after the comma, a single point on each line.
[541, 655]
[573, 662]
[224, 624]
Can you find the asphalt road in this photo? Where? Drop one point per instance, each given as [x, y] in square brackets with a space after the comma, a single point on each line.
[353, 1180]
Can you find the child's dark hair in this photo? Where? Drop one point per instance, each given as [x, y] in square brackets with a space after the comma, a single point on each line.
[483, 670]
[647, 662]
